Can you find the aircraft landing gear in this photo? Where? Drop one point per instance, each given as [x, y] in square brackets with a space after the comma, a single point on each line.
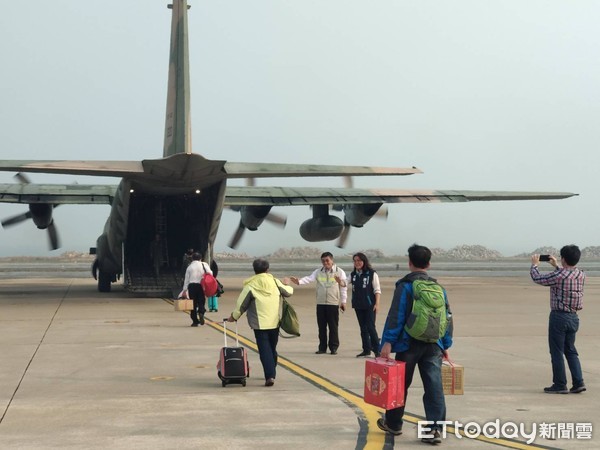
[104, 280]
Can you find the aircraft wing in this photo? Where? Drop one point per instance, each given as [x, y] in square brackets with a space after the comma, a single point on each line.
[94, 168]
[271, 170]
[194, 167]
[268, 195]
[284, 196]
[56, 194]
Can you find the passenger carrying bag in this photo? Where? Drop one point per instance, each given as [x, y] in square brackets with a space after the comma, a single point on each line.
[289, 320]
[428, 319]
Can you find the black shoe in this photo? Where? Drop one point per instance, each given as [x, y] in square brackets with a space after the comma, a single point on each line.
[554, 389]
[577, 389]
[201, 319]
[360, 355]
[383, 426]
[435, 439]
[194, 324]
[320, 352]
[270, 382]
[376, 354]
[334, 352]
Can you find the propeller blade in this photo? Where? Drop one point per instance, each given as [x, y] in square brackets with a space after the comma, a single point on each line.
[52, 232]
[22, 178]
[277, 219]
[344, 236]
[382, 212]
[16, 219]
[53, 236]
[348, 184]
[235, 240]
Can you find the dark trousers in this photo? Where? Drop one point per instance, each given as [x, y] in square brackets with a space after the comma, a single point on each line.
[196, 293]
[328, 316]
[429, 359]
[562, 329]
[266, 341]
[368, 332]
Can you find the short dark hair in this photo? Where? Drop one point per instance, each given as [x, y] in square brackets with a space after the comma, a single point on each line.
[419, 255]
[326, 254]
[196, 256]
[571, 254]
[260, 265]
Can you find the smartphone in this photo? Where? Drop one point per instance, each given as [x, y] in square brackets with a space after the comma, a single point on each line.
[544, 257]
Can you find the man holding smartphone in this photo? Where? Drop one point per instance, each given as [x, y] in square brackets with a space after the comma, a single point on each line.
[566, 298]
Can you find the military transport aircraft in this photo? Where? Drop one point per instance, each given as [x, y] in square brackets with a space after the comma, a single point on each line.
[181, 196]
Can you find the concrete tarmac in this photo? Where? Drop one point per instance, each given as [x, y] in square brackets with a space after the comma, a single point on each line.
[80, 369]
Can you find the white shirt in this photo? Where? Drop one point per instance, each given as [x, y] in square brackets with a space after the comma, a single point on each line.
[195, 272]
[334, 270]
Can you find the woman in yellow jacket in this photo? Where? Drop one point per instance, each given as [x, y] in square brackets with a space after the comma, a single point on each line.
[259, 299]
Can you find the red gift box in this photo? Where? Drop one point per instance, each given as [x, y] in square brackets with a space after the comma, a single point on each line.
[384, 383]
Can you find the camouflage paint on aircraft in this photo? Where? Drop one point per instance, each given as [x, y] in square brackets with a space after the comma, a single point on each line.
[181, 196]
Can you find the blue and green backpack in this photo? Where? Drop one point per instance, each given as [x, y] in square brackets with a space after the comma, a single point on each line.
[428, 319]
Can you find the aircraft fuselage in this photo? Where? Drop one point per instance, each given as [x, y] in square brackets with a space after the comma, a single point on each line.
[181, 200]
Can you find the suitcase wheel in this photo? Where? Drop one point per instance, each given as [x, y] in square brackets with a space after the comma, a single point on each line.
[223, 383]
[244, 382]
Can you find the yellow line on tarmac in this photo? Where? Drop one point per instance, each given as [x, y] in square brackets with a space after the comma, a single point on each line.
[375, 438]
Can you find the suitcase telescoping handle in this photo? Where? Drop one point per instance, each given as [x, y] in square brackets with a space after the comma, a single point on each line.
[237, 342]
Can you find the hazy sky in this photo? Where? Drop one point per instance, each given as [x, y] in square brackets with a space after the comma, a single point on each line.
[496, 95]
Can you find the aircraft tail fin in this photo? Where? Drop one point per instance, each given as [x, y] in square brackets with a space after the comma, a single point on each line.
[178, 131]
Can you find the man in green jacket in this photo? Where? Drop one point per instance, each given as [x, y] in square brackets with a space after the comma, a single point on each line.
[260, 300]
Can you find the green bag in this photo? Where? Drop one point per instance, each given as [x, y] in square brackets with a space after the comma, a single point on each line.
[289, 320]
[428, 319]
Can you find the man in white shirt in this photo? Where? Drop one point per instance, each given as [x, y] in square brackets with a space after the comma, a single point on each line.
[331, 297]
[191, 284]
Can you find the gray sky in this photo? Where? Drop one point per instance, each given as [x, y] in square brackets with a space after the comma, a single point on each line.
[497, 95]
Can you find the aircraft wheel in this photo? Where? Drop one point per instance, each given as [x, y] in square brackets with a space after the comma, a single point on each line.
[103, 281]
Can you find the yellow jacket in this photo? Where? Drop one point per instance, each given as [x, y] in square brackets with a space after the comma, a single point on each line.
[260, 300]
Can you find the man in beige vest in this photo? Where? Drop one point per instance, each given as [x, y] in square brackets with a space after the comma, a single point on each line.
[331, 297]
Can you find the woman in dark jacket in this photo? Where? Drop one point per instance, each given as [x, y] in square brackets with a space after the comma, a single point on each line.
[366, 292]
